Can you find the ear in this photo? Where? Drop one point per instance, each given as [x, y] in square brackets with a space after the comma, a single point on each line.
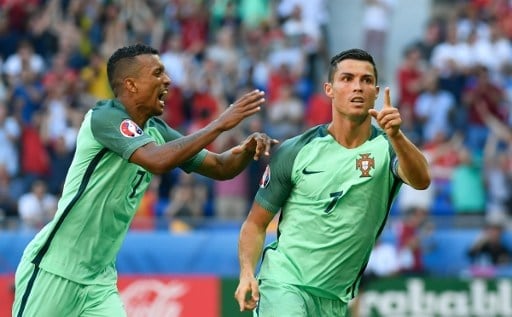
[130, 85]
[377, 88]
[328, 90]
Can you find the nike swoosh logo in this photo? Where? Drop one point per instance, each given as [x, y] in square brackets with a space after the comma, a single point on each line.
[306, 172]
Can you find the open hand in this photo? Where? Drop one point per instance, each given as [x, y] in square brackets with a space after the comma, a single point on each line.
[245, 106]
[388, 117]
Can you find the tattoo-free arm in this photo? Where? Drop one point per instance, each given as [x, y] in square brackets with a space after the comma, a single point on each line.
[230, 163]
[159, 159]
[413, 167]
[250, 247]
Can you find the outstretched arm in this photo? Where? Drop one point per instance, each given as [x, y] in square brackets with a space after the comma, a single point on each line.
[413, 167]
[162, 158]
[231, 162]
[250, 247]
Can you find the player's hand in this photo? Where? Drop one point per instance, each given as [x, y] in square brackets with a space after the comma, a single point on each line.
[247, 293]
[245, 106]
[257, 143]
[388, 117]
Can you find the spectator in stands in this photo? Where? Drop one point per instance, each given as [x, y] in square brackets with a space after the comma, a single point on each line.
[483, 93]
[376, 25]
[468, 192]
[489, 248]
[431, 37]
[434, 108]
[146, 215]
[497, 165]
[27, 96]
[442, 153]
[93, 80]
[10, 132]
[285, 115]
[451, 55]
[61, 156]
[411, 234]
[318, 109]
[10, 191]
[187, 201]
[230, 197]
[410, 85]
[412, 199]
[37, 207]
[35, 158]
[25, 59]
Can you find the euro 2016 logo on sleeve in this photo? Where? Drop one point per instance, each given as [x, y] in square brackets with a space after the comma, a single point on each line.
[265, 179]
[365, 164]
[130, 129]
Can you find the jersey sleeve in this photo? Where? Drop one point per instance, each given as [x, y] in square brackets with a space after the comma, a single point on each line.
[113, 129]
[276, 182]
[169, 134]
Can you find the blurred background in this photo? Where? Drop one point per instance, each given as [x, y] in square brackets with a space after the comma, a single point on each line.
[445, 251]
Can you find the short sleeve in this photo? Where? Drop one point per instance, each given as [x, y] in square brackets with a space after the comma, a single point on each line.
[113, 129]
[276, 183]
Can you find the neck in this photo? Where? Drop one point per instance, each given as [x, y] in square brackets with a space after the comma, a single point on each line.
[133, 109]
[350, 133]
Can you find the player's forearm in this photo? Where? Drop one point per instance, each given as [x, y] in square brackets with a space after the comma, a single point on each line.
[163, 158]
[413, 164]
[231, 164]
[250, 246]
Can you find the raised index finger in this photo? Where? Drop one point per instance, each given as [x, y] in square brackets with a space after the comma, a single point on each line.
[387, 98]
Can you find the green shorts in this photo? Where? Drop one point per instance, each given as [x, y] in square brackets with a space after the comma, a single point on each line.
[285, 300]
[39, 293]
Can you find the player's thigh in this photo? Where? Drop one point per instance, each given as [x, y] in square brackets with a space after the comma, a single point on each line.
[39, 293]
[103, 301]
[325, 307]
[280, 300]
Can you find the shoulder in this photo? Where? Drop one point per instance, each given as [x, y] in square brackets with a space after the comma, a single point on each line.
[294, 145]
[107, 113]
[307, 137]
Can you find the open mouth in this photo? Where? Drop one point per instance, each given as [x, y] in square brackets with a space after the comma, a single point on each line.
[357, 99]
[162, 96]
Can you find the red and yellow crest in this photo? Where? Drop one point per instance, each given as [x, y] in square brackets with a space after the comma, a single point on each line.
[365, 164]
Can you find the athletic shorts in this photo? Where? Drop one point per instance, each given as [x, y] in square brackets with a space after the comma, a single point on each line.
[285, 300]
[39, 293]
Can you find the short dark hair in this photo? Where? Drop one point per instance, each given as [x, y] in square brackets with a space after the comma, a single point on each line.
[123, 57]
[354, 53]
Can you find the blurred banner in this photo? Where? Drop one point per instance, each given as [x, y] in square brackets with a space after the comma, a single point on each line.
[437, 297]
[170, 296]
[6, 294]
[209, 296]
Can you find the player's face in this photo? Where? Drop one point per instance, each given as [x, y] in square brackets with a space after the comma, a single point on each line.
[353, 89]
[153, 84]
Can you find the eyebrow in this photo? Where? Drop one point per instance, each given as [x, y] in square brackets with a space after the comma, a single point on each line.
[353, 75]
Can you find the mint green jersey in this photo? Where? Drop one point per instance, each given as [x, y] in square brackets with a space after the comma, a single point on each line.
[101, 194]
[334, 203]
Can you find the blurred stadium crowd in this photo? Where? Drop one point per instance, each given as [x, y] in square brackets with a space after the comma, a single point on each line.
[453, 87]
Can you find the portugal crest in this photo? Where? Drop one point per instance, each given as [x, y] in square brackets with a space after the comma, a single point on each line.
[365, 164]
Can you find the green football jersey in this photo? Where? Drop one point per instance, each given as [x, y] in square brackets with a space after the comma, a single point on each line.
[334, 203]
[101, 194]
